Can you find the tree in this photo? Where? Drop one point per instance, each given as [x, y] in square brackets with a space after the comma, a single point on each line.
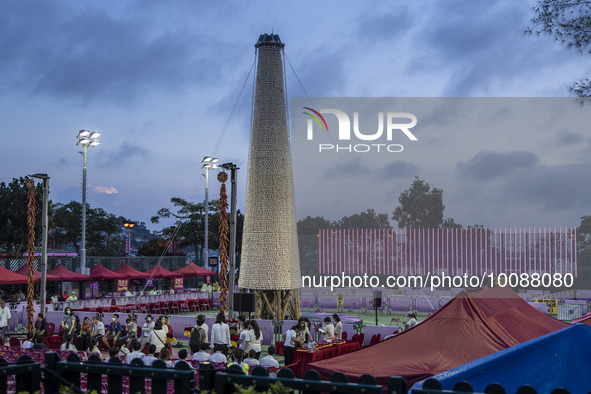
[569, 22]
[154, 247]
[103, 230]
[13, 216]
[190, 224]
[367, 219]
[450, 223]
[310, 225]
[420, 206]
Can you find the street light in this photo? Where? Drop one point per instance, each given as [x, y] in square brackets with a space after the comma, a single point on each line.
[86, 139]
[128, 226]
[208, 165]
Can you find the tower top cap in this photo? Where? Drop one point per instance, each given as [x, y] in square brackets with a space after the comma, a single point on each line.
[269, 39]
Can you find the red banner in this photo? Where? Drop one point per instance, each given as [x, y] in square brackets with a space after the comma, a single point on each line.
[122, 285]
[178, 283]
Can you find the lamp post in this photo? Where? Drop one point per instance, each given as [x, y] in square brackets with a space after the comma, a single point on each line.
[128, 226]
[208, 165]
[86, 139]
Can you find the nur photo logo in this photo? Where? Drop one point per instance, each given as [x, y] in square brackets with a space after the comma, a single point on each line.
[391, 126]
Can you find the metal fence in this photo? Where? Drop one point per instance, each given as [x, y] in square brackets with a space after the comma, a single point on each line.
[140, 263]
[115, 377]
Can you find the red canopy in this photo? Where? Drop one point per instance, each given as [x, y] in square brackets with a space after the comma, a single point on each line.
[159, 272]
[192, 270]
[583, 319]
[8, 277]
[472, 325]
[130, 273]
[24, 270]
[64, 274]
[99, 272]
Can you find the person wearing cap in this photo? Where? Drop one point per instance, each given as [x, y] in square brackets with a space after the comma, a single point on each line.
[412, 321]
[72, 297]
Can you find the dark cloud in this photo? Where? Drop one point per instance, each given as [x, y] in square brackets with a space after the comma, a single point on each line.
[398, 170]
[556, 188]
[481, 45]
[486, 165]
[384, 26]
[569, 138]
[126, 152]
[86, 54]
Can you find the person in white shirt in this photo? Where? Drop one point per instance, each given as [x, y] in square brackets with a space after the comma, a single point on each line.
[68, 345]
[28, 343]
[218, 358]
[239, 361]
[20, 296]
[146, 330]
[165, 356]
[269, 361]
[255, 338]
[158, 336]
[202, 354]
[135, 354]
[412, 321]
[98, 328]
[149, 358]
[183, 353]
[292, 341]
[112, 354]
[220, 334]
[327, 330]
[244, 336]
[338, 327]
[93, 349]
[4, 320]
[251, 360]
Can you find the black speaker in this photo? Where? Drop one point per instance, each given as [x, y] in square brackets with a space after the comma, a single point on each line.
[377, 299]
[244, 302]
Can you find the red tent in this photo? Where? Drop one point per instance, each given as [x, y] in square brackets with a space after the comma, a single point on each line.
[472, 325]
[192, 270]
[130, 273]
[583, 319]
[99, 272]
[24, 270]
[64, 274]
[8, 277]
[159, 272]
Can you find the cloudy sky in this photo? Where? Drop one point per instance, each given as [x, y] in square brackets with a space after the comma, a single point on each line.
[161, 80]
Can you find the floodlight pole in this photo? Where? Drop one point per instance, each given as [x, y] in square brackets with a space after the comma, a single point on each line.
[44, 224]
[83, 240]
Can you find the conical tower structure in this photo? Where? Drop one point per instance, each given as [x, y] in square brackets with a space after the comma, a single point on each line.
[270, 263]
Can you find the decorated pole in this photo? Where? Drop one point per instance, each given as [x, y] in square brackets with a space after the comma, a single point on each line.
[31, 250]
[223, 177]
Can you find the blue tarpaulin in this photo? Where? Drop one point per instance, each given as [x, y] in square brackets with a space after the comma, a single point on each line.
[558, 359]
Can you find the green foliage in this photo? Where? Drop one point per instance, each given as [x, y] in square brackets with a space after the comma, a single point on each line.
[154, 247]
[310, 225]
[420, 206]
[190, 224]
[584, 241]
[103, 230]
[368, 219]
[13, 216]
[568, 22]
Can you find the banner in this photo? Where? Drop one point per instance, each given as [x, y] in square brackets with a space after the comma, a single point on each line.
[150, 282]
[178, 283]
[122, 285]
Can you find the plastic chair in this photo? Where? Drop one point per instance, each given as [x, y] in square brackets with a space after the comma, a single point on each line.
[50, 329]
[344, 335]
[14, 341]
[395, 320]
[361, 338]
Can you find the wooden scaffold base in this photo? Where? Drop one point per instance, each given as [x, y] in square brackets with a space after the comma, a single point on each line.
[275, 304]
